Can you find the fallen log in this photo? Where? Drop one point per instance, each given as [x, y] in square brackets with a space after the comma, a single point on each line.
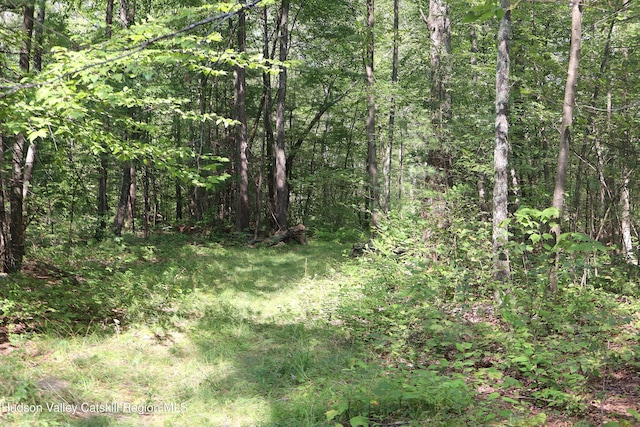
[297, 234]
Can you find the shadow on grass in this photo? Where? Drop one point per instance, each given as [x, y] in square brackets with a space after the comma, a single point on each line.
[276, 374]
[103, 287]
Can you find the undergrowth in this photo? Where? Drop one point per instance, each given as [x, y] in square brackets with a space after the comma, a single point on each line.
[413, 332]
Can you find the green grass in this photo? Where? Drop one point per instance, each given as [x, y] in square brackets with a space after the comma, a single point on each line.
[301, 336]
[237, 335]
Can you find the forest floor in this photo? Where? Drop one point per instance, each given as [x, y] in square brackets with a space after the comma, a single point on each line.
[181, 332]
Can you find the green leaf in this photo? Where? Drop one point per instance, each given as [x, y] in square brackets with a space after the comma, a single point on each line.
[332, 414]
[359, 421]
[493, 396]
[40, 133]
[550, 213]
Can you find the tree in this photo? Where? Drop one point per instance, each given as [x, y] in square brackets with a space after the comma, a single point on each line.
[242, 165]
[392, 108]
[21, 167]
[282, 189]
[439, 24]
[372, 153]
[565, 127]
[500, 155]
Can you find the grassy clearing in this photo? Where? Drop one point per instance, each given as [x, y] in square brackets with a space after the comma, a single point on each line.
[236, 335]
[175, 332]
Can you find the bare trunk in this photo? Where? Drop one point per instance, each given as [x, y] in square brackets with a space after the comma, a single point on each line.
[565, 129]
[625, 197]
[439, 25]
[131, 203]
[372, 155]
[147, 202]
[392, 109]
[5, 234]
[269, 140]
[103, 171]
[39, 37]
[16, 217]
[625, 219]
[242, 165]
[14, 251]
[27, 33]
[591, 128]
[501, 152]
[127, 13]
[29, 164]
[179, 207]
[280, 156]
[103, 206]
[126, 205]
[108, 19]
[123, 202]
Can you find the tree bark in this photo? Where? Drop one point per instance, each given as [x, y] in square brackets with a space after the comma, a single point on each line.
[625, 219]
[123, 201]
[103, 167]
[16, 225]
[386, 168]
[39, 37]
[5, 234]
[372, 155]
[439, 25]
[280, 156]
[14, 251]
[565, 128]
[146, 201]
[127, 13]
[108, 19]
[131, 202]
[242, 164]
[501, 151]
[126, 205]
[27, 34]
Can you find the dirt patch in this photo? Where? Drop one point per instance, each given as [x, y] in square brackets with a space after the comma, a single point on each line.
[613, 396]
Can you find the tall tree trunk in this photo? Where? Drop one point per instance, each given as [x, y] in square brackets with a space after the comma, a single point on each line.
[103, 206]
[126, 204]
[565, 128]
[591, 127]
[127, 13]
[179, 207]
[392, 108]
[242, 164]
[16, 217]
[625, 218]
[281, 159]
[372, 154]
[5, 235]
[147, 201]
[29, 165]
[39, 37]
[439, 25]
[103, 166]
[108, 19]
[131, 210]
[27, 34]
[269, 140]
[625, 196]
[14, 252]
[123, 202]
[501, 152]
